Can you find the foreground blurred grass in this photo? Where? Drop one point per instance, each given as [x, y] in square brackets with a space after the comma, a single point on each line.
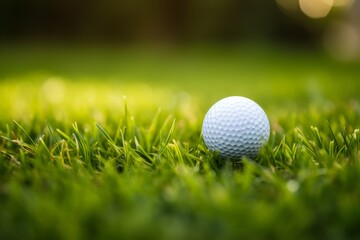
[142, 172]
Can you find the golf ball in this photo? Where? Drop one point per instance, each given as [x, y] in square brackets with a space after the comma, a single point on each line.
[235, 127]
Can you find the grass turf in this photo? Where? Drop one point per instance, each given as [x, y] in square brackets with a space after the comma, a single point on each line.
[78, 160]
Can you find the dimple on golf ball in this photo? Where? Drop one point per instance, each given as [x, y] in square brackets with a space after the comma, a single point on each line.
[235, 127]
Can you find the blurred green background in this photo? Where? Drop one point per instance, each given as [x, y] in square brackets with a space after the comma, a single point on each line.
[189, 44]
[331, 23]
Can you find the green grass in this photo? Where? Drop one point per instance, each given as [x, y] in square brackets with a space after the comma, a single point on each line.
[79, 160]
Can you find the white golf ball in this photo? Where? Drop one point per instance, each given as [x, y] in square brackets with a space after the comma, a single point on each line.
[235, 127]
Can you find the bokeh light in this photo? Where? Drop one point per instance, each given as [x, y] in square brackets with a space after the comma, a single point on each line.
[316, 8]
[54, 90]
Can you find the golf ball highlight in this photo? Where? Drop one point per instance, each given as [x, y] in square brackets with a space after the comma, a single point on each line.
[236, 127]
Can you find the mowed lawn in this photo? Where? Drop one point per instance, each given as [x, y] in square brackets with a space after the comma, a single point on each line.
[105, 142]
